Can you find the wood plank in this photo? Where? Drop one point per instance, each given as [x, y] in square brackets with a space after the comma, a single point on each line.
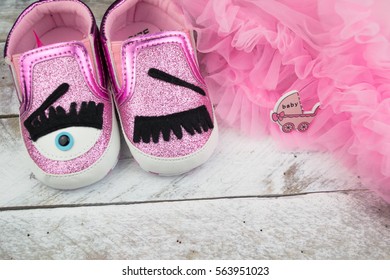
[315, 226]
[240, 167]
[9, 103]
[10, 10]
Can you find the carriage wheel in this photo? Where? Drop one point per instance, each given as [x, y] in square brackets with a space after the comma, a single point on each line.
[303, 126]
[288, 127]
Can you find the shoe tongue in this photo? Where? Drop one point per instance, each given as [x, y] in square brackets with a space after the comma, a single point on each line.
[16, 58]
[119, 54]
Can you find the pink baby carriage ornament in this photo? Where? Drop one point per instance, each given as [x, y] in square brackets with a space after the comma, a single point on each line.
[289, 114]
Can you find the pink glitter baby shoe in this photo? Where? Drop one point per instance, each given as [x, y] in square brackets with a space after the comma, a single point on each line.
[67, 116]
[165, 111]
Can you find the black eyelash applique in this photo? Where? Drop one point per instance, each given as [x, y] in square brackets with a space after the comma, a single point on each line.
[39, 124]
[193, 121]
[161, 75]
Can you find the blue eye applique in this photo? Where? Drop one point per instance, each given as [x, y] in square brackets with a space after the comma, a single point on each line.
[64, 141]
[65, 135]
[68, 143]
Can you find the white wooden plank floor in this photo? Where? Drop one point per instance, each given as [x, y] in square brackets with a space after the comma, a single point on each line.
[335, 225]
[250, 200]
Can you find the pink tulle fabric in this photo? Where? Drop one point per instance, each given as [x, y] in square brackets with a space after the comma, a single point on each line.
[336, 52]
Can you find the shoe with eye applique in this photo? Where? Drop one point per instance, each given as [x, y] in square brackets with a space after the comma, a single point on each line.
[166, 115]
[67, 116]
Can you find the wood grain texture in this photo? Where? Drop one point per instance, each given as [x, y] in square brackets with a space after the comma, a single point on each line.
[9, 104]
[9, 11]
[239, 167]
[315, 226]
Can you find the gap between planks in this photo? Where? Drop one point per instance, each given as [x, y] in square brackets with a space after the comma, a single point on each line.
[9, 116]
[267, 196]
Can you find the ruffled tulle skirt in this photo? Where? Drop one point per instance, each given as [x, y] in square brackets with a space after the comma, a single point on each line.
[336, 52]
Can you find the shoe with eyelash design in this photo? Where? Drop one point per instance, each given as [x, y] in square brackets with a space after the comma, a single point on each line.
[166, 114]
[67, 116]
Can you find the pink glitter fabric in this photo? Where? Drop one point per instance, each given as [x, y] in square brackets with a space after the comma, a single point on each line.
[47, 75]
[152, 97]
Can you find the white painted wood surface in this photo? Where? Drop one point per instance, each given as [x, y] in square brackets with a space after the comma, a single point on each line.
[250, 200]
[337, 225]
[9, 102]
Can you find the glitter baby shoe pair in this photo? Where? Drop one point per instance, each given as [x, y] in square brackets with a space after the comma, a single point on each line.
[67, 114]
